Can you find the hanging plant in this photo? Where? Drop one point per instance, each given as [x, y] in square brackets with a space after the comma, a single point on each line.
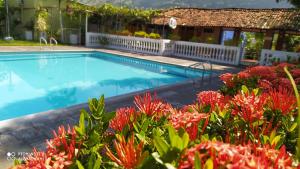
[41, 23]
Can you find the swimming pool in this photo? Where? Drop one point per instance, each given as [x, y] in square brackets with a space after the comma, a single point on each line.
[41, 81]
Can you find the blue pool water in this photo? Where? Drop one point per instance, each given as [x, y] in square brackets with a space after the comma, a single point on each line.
[35, 82]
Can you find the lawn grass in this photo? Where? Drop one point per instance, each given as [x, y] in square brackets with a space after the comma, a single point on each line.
[19, 43]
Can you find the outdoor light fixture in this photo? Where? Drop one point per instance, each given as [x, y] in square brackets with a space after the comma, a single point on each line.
[172, 23]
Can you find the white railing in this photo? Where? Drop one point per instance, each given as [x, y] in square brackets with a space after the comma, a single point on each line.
[207, 52]
[201, 51]
[128, 43]
[268, 56]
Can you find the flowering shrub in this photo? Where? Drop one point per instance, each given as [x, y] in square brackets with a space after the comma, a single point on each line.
[61, 151]
[265, 77]
[249, 123]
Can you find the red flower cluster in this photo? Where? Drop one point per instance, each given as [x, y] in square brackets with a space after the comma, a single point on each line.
[211, 98]
[236, 156]
[268, 76]
[188, 121]
[59, 154]
[243, 75]
[264, 72]
[124, 116]
[151, 105]
[249, 106]
[282, 99]
[128, 154]
[227, 78]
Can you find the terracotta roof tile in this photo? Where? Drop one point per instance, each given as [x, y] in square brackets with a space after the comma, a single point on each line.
[288, 19]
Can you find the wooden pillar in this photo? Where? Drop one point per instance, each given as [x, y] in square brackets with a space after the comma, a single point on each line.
[280, 40]
[236, 37]
[268, 39]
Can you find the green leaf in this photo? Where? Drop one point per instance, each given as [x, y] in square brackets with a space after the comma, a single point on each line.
[293, 127]
[172, 136]
[255, 91]
[79, 165]
[185, 140]
[82, 123]
[273, 134]
[141, 136]
[169, 166]
[258, 123]
[197, 162]
[108, 116]
[16, 162]
[91, 160]
[145, 125]
[213, 117]
[276, 140]
[245, 89]
[209, 164]
[161, 145]
[97, 163]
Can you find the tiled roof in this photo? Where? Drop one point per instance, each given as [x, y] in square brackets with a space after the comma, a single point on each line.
[287, 19]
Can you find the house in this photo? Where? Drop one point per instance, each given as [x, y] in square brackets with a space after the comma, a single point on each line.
[217, 25]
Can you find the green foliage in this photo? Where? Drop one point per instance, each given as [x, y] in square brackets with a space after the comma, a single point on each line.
[254, 45]
[91, 128]
[293, 43]
[154, 36]
[168, 151]
[141, 34]
[42, 20]
[108, 10]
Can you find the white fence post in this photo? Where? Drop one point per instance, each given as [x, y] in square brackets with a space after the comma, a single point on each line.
[268, 56]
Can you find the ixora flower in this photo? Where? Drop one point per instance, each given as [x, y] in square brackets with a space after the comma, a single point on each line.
[211, 98]
[124, 116]
[282, 99]
[264, 84]
[128, 155]
[151, 105]
[59, 154]
[236, 156]
[243, 75]
[227, 79]
[188, 121]
[249, 106]
[295, 73]
[264, 72]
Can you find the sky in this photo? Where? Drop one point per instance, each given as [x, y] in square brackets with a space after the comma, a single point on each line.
[197, 3]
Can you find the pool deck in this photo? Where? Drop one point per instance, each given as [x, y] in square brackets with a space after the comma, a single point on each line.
[20, 135]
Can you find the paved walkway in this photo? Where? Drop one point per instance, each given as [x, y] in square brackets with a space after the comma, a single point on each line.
[22, 134]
